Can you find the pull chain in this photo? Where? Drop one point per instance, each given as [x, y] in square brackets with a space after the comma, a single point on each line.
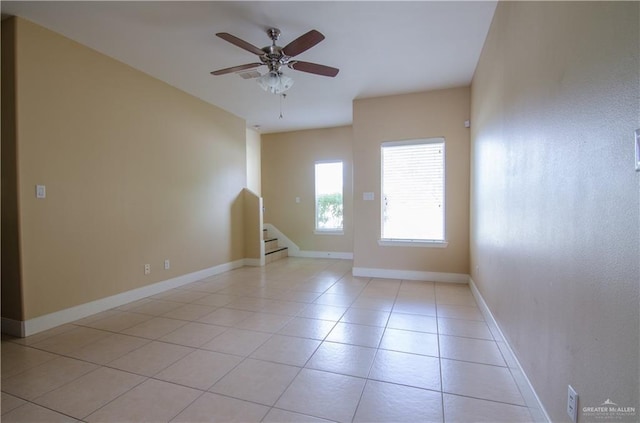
[282, 96]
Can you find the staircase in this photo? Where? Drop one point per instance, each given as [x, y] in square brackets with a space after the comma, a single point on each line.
[272, 250]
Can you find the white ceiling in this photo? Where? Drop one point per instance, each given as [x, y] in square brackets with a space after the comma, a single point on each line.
[381, 48]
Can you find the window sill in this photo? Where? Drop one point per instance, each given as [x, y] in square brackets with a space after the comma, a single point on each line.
[412, 243]
[328, 232]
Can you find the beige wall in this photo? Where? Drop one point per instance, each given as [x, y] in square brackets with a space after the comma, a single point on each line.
[555, 204]
[136, 172]
[254, 181]
[288, 166]
[421, 115]
[252, 225]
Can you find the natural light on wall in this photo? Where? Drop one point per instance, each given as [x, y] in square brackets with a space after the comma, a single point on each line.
[329, 205]
[413, 190]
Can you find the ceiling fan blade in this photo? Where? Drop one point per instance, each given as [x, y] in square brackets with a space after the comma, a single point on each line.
[236, 68]
[303, 43]
[314, 68]
[240, 43]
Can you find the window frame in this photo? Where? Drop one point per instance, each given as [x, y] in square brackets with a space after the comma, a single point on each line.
[405, 242]
[326, 231]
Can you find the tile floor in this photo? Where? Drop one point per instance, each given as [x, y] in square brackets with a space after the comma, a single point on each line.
[300, 340]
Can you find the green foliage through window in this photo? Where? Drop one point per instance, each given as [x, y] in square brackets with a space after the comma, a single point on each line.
[328, 193]
[330, 210]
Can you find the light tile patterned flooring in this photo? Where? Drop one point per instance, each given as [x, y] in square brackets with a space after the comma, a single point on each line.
[298, 340]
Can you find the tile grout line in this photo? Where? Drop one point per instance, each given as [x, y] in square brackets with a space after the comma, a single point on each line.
[29, 402]
[271, 335]
[435, 296]
[367, 378]
[493, 341]
[306, 362]
[242, 361]
[100, 366]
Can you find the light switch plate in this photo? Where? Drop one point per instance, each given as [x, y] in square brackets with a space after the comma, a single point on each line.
[637, 150]
[41, 191]
[367, 196]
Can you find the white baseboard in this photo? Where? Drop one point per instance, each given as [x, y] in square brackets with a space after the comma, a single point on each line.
[48, 321]
[323, 254]
[295, 251]
[413, 275]
[538, 412]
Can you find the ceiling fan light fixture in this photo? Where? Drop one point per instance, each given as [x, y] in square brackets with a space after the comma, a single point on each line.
[275, 82]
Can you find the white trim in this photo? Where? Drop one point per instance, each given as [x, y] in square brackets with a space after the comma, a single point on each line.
[13, 327]
[532, 400]
[412, 243]
[414, 141]
[262, 258]
[48, 321]
[324, 254]
[328, 232]
[414, 275]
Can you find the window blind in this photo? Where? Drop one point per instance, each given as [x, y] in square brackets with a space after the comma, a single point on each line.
[413, 190]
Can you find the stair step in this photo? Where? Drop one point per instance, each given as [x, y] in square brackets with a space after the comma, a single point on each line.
[277, 254]
[275, 250]
[271, 244]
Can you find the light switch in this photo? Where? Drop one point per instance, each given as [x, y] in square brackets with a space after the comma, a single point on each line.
[367, 196]
[297, 199]
[41, 191]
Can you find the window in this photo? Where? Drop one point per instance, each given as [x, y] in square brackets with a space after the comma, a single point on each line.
[413, 191]
[329, 197]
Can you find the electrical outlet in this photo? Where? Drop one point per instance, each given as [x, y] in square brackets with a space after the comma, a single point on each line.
[167, 265]
[147, 269]
[572, 404]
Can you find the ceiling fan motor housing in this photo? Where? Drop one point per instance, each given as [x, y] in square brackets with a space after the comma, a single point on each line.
[274, 58]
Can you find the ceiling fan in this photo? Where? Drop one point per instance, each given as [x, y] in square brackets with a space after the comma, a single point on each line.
[275, 57]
